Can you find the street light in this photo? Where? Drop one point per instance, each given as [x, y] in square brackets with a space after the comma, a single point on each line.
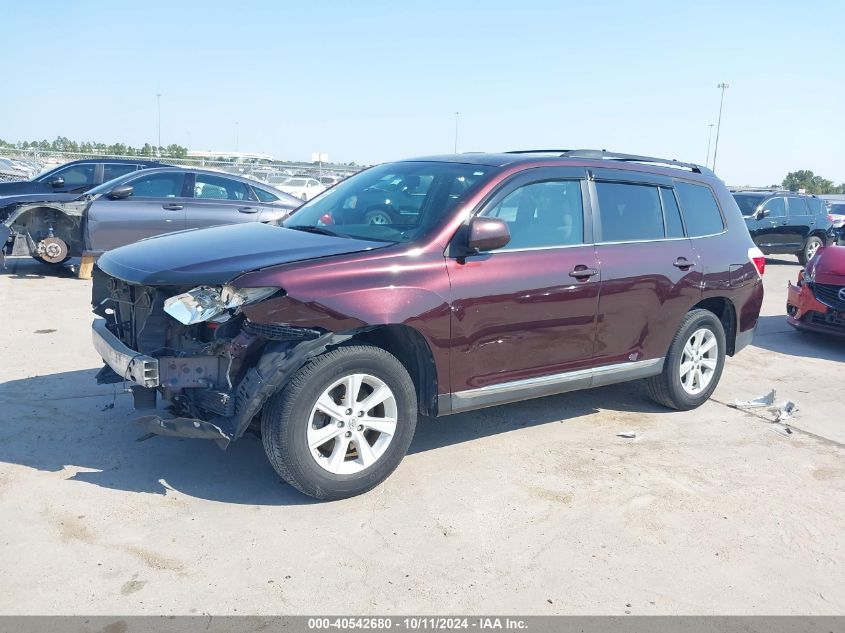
[722, 86]
[158, 100]
[457, 114]
[709, 136]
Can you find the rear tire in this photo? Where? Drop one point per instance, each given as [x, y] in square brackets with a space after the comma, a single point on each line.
[813, 243]
[319, 452]
[698, 346]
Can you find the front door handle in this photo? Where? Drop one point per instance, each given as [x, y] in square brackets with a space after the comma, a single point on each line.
[247, 209]
[582, 273]
[173, 207]
[683, 263]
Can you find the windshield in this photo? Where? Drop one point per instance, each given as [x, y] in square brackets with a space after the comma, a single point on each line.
[396, 202]
[838, 208]
[748, 202]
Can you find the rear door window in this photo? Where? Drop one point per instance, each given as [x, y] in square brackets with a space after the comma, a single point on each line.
[816, 205]
[797, 206]
[167, 185]
[217, 188]
[113, 170]
[629, 212]
[265, 196]
[700, 209]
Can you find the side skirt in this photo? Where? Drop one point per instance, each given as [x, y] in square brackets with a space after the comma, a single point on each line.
[528, 388]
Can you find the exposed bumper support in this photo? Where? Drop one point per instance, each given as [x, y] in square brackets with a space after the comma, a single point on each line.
[127, 363]
[185, 427]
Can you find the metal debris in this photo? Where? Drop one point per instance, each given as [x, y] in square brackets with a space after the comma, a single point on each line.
[785, 410]
[766, 400]
[628, 435]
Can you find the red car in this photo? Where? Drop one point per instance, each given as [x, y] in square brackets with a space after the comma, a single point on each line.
[817, 302]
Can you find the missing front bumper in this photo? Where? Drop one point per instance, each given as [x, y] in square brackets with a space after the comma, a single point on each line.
[126, 363]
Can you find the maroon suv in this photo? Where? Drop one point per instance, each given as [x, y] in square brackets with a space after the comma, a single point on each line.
[512, 276]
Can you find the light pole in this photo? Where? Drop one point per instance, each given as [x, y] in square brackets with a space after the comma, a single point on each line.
[237, 135]
[722, 86]
[709, 136]
[457, 114]
[158, 103]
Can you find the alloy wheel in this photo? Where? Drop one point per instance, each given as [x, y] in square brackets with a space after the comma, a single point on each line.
[352, 423]
[698, 361]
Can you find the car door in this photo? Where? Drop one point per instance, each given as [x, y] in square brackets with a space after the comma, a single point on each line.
[767, 226]
[156, 206]
[529, 308]
[799, 222]
[649, 270]
[220, 200]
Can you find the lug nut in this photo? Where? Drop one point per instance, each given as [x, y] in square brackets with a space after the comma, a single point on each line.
[349, 412]
[340, 423]
[349, 434]
[360, 427]
[360, 414]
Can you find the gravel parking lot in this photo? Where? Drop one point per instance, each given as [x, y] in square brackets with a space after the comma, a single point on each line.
[531, 508]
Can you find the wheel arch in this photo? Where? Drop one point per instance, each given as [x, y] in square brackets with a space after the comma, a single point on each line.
[725, 311]
[411, 349]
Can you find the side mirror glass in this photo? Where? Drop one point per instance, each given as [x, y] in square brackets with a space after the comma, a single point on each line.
[120, 192]
[761, 213]
[57, 182]
[487, 234]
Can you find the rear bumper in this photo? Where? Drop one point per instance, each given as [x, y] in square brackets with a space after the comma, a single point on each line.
[130, 365]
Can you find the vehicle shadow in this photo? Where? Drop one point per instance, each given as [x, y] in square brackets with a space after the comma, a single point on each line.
[28, 268]
[63, 423]
[776, 335]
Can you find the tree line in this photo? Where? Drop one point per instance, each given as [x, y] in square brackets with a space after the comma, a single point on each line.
[810, 183]
[63, 144]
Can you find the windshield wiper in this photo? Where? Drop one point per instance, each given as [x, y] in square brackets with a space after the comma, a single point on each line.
[314, 229]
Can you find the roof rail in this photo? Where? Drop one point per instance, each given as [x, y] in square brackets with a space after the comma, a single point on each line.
[603, 154]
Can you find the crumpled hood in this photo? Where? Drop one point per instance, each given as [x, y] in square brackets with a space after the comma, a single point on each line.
[29, 198]
[829, 265]
[218, 254]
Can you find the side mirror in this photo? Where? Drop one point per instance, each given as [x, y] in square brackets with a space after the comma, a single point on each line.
[761, 213]
[120, 192]
[57, 182]
[487, 234]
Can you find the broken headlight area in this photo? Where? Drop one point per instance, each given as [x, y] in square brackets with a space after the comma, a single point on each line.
[213, 303]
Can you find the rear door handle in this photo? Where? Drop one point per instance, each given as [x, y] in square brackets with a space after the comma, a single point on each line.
[247, 209]
[683, 263]
[173, 207]
[581, 272]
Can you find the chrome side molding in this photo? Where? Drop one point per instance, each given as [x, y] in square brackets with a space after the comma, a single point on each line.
[528, 388]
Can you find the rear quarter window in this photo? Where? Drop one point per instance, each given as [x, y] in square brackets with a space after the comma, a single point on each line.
[700, 209]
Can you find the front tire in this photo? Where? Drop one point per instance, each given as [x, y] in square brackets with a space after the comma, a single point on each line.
[693, 366]
[342, 424]
[813, 243]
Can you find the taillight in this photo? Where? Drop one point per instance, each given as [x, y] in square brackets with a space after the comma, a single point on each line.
[758, 259]
[830, 217]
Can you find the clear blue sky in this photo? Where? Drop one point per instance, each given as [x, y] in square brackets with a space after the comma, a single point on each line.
[376, 81]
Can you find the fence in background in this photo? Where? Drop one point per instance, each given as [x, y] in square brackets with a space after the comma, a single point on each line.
[22, 164]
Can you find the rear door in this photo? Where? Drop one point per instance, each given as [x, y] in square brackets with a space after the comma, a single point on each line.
[220, 200]
[156, 206]
[799, 222]
[650, 273]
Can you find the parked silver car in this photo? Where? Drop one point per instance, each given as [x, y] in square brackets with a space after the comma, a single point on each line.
[138, 205]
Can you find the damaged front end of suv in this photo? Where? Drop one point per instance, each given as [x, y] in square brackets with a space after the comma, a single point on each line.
[192, 344]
